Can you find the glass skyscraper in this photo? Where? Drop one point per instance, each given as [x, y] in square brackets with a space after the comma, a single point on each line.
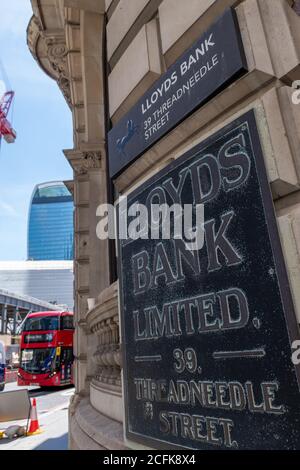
[50, 225]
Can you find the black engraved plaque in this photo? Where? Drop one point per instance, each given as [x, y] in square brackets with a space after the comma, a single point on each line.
[207, 333]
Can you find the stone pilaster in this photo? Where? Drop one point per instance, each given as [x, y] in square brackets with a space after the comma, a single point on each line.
[91, 254]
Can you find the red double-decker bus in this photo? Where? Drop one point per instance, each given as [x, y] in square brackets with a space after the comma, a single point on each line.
[46, 357]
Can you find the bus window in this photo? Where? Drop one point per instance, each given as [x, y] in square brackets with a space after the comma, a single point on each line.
[37, 361]
[44, 323]
[67, 322]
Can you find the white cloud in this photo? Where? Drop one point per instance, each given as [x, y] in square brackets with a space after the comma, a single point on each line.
[7, 210]
[15, 203]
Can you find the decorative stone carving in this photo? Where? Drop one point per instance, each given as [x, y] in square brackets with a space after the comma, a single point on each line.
[108, 355]
[89, 161]
[57, 54]
[83, 161]
[103, 321]
[50, 53]
[33, 33]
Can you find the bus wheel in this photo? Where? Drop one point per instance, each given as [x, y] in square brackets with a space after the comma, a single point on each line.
[2, 387]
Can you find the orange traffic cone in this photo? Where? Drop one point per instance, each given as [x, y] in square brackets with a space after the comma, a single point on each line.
[34, 427]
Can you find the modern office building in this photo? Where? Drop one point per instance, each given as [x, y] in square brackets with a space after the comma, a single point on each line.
[50, 224]
[49, 281]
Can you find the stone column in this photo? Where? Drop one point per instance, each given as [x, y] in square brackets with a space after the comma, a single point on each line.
[85, 33]
[4, 320]
[91, 263]
[15, 321]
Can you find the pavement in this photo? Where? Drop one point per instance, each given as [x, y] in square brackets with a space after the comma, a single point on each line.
[52, 408]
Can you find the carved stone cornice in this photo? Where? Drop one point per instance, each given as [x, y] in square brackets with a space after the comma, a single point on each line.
[83, 161]
[70, 185]
[49, 49]
[34, 29]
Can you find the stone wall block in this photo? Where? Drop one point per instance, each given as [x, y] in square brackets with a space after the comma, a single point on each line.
[282, 27]
[135, 72]
[280, 160]
[289, 226]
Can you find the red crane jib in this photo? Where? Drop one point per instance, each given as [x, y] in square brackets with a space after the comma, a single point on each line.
[6, 129]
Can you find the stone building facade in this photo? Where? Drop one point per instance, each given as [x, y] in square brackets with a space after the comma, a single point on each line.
[105, 55]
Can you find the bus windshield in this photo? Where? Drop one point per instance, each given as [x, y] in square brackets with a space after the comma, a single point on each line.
[41, 323]
[38, 361]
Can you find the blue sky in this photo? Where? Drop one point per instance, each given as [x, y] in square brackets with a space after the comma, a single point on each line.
[43, 123]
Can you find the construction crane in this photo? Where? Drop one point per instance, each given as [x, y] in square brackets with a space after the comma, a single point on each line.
[6, 129]
[6, 101]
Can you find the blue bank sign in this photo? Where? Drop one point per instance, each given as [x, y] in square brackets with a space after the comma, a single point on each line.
[214, 61]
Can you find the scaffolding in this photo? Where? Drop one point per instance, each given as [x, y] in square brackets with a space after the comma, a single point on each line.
[14, 308]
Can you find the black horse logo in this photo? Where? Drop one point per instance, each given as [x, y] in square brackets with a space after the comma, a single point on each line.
[131, 130]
